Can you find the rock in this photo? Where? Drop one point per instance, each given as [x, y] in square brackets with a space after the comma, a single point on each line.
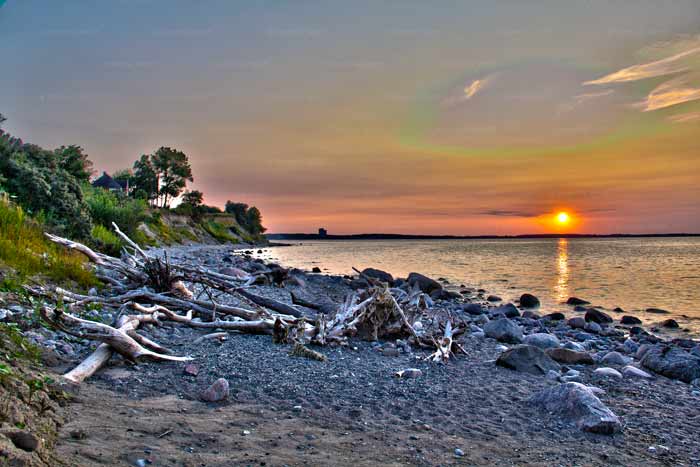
[409, 373]
[530, 315]
[473, 309]
[357, 284]
[576, 301]
[508, 310]
[556, 316]
[218, 391]
[577, 323]
[493, 298]
[570, 357]
[597, 316]
[671, 362]
[614, 358]
[316, 269]
[670, 324]
[552, 375]
[630, 320]
[630, 346]
[444, 294]
[578, 404]
[5, 314]
[657, 311]
[529, 301]
[633, 372]
[378, 274]
[606, 372]
[191, 370]
[528, 359]
[504, 330]
[574, 346]
[459, 452]
[593, 327]
[542, 340]
[424, 283]
[390, 352]
[23, 440]
[696, 351]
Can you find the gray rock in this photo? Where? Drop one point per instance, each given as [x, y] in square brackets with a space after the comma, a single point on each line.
[574, 346]
[670, 324]
[378, 274]
[218, 391]
[597, 316]
[552, 375]
[23, 440]
[508, 310]
[5, 314]
[493, 298]
[615, 358]
[424, 283]
[696, 351]
[542, 340]
[529, 301]
[459, 452]
[504, 330]
[630, 346]
[672, 362]
[578, 404]
[479, 334]
[409, 373]
[606, 372]
[577, 323]
[593, 327]
[473, 309]
[570, 357]
[528, 359]
[634, 372]
[657, 311]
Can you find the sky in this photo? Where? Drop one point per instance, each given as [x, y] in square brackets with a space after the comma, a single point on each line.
[447, 117]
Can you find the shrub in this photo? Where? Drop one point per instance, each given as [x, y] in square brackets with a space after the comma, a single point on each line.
[219, 231]
[24, 248]
[105, 240]
[106, 207]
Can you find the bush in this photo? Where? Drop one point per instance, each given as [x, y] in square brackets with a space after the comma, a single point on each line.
[106, 207]
[24, 248]
[219, 231]
[105, 240]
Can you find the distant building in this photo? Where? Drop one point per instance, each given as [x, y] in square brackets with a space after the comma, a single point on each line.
[322, 232]
[108, 183]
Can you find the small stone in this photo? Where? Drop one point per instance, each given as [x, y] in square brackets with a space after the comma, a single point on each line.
[316, 270]
[140, 463]
[593, 327]
[615, 358]
[569, 356]
[409, 373]
[630, 320]
[297, 408]
[493, 298]
[459, 452]
[529, 301]
[576, 301]
[634, 372]
[606, 372]
[217, 392]
[542, 340]
[670, 324]
[245, 433]
[577, 323]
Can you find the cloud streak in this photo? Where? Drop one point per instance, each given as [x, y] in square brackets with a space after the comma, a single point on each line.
[663, 67]
[673, 92]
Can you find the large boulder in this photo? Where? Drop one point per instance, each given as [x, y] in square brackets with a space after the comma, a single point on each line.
[378, 274]
[671, 362]
[578, 404]
[597, 316]
[528, 359]
[504, 330]
[424, 283]
[529, 301]
[570, 357]
[542, 340]
[576, 301]
[630, 320]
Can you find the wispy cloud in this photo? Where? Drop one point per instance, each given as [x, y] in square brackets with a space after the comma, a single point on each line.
[673, 92]
[581, 98]
[685, 118]
[666, 66]
[470, 90]
[473, 88]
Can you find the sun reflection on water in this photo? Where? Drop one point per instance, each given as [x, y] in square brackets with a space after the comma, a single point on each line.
[561, 289]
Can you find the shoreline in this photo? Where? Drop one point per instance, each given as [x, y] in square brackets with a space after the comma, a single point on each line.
[353, 410]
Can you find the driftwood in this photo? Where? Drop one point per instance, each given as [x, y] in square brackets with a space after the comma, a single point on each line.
[156, 290]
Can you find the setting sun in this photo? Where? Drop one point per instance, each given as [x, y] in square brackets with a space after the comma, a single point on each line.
[563, 218]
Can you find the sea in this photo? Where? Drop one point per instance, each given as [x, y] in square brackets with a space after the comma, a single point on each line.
[634, 274]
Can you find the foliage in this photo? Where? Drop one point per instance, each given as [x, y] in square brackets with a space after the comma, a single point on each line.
[106, 207]
[219, 231]
[46, 183]
[24, 248]
[145, 179]
[125, 177]
[105, 240]
[247, 217]
[162, 176]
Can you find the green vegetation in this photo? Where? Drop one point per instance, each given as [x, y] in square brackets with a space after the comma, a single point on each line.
[247, 217]
[219, 231]
[106, 241]
[24, 248]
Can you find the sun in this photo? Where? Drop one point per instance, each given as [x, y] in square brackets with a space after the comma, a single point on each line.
[563, 218]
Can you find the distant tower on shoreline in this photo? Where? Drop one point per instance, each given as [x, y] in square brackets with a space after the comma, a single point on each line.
[322, 232]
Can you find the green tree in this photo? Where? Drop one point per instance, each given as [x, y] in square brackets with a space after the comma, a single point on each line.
[125, 177]
[173, 170]
[238, 210]
[145, 179]
[194, 198]
[73, 160]
[254, 221]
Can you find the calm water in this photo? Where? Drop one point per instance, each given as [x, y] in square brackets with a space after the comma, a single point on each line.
[634, 274]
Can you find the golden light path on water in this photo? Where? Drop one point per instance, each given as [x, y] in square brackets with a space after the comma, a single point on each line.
[561, 289]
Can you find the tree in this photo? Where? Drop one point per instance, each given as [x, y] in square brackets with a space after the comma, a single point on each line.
[254, 221]
[173, 171]
[73, 160]
[2, 119]
[145, 179]
[238, 210]
[194, 198]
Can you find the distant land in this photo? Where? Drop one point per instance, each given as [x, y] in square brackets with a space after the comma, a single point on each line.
[388, 236]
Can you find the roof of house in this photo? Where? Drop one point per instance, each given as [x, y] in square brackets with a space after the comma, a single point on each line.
[106, 182]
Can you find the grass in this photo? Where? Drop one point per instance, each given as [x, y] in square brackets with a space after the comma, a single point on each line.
[219, 231]
[24, 249]
[105, 240]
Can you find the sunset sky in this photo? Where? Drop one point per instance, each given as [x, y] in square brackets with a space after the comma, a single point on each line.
[445, 117]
